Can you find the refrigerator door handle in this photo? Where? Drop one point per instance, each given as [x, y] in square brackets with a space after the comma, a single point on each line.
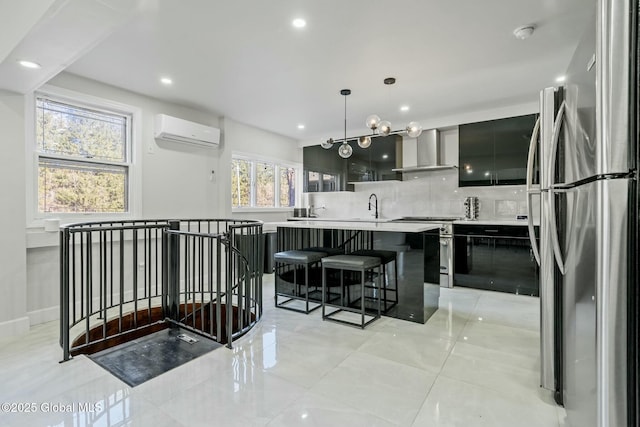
[533, 144]
[552, 197]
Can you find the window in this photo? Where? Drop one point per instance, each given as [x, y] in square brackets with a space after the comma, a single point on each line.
[83, 158]
[257, 183]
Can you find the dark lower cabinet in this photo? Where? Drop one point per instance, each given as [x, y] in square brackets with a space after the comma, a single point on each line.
[497, 258]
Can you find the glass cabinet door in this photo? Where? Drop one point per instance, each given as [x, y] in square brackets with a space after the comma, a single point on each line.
[511, 148]
[495, 152]
[323, 169]
[476, 154]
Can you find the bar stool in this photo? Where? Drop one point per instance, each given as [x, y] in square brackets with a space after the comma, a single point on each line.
[327, 250]
[354, 263]
[300, 291]
[386, 257]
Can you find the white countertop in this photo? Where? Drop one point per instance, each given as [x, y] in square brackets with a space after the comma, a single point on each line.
[332, 219]
[401, 227]
[493, 222]
[519, 222]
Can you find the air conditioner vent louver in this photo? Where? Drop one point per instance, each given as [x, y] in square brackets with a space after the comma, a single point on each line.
[178, 130]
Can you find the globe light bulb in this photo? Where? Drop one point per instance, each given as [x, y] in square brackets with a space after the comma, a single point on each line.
[372, 122]
[327, 144]
[364, 141]
[384, 128]
[414, 129]
[345, 150]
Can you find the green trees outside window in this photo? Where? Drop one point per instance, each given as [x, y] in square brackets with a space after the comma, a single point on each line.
[83, 157]
[260, 184]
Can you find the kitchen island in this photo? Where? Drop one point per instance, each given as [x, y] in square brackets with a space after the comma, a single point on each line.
[416, 245]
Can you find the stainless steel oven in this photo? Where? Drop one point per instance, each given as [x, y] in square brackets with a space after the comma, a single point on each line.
[446, 255]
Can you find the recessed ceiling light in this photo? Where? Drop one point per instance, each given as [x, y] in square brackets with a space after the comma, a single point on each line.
[404, 108]
[385, 156]
[166, 81]
[300, 126]
[561, 79]
[29, 64]
[299, 23]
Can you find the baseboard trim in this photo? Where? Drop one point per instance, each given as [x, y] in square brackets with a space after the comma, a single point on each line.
[43, 315]
[14, 327]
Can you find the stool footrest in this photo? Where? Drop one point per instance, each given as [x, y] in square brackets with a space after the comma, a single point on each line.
[360, 324]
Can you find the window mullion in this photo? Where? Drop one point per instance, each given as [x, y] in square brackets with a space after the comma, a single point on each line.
[253, 184]
[276, 182]
[90, 161]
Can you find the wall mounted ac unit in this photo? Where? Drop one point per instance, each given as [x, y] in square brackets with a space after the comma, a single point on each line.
[178, 130]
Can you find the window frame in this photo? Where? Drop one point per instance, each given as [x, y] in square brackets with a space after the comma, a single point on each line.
[35, 218]
[278, 165]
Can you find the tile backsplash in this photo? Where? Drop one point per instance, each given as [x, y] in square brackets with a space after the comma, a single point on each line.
[434, 193]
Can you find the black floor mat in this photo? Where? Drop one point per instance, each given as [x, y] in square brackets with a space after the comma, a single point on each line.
[142, 359]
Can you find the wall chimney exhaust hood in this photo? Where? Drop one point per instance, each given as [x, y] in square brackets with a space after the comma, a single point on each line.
[429, 155]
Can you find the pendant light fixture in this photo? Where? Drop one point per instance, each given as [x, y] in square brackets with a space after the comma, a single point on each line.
[414, 129]
[345, 149]
[378, 127]
[364, 141]
[383, 127]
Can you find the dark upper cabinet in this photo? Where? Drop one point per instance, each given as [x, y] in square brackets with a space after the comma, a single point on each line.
[495, 152]
[325, 170]
[376, 162]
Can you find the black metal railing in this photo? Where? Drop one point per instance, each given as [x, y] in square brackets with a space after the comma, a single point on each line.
[347, 240]
[118, 278]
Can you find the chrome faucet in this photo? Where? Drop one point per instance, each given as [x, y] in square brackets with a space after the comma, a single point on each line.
[376, 205]
[313, 210]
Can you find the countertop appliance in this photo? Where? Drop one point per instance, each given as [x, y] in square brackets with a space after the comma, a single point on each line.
[446, 244]
[588, 254]
[301, 212]
[471, 208]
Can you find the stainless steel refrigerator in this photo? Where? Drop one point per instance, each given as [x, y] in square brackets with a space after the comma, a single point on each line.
[586, 146]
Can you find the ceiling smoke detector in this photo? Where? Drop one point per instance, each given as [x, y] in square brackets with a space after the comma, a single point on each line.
[524, 32]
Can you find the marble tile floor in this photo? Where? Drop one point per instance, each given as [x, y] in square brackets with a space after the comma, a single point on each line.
[474, 363]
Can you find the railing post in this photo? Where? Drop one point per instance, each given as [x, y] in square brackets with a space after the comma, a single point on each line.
[64, 294]
[230, 276]
[219, 267]
[173, 272]
[258, 284]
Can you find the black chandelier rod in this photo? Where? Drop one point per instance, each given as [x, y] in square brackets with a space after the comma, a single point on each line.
[372, 135]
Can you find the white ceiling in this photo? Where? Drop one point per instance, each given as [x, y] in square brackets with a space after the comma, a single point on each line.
[243, 59]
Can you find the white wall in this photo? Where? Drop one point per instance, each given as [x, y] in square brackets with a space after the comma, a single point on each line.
[247, 139]
[175, 177]
[175, 183]
[13, 273]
